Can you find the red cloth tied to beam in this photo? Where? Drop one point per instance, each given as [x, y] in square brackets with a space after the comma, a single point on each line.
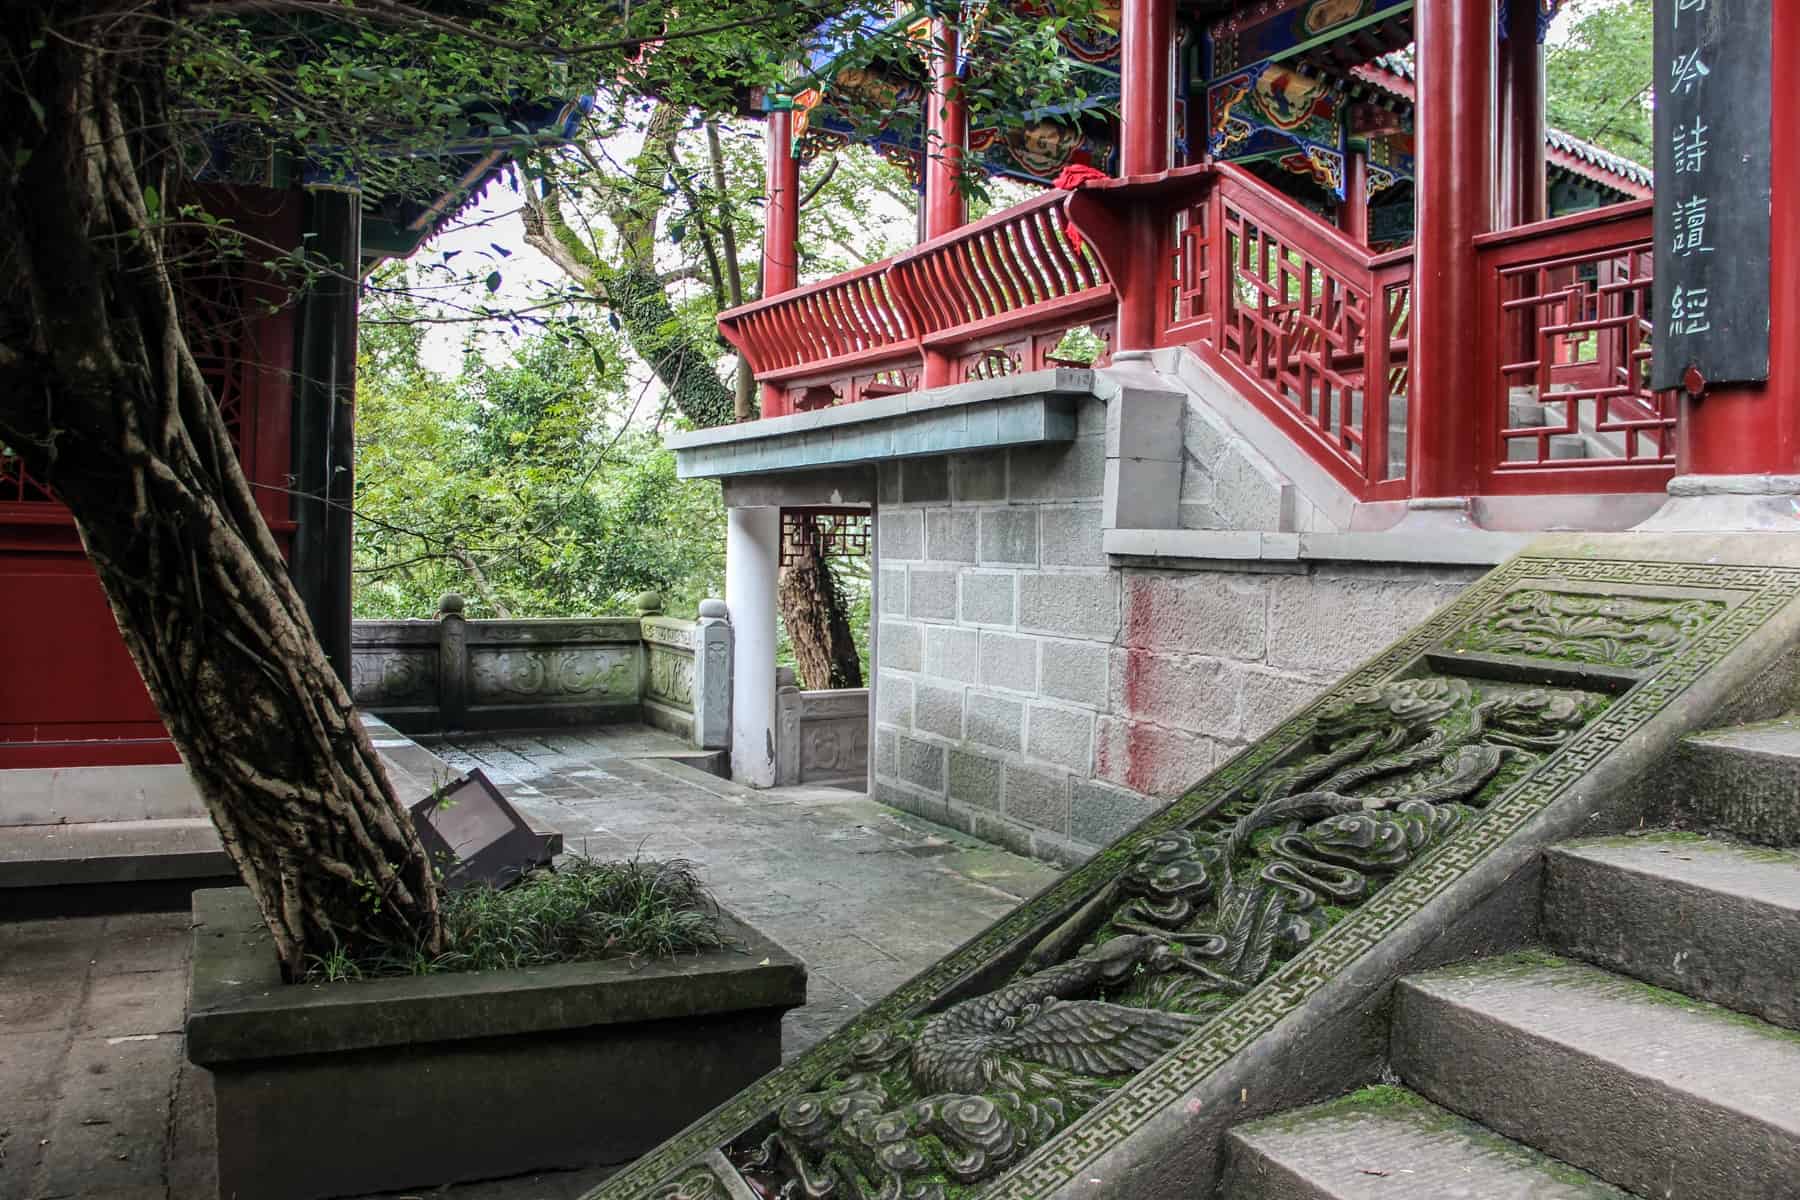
[1067, 180]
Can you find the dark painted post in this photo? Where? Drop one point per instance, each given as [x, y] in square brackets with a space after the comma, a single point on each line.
[1453, 203]
[1524, 190]
[1727, 325]
[325, 420]
[1353, 213]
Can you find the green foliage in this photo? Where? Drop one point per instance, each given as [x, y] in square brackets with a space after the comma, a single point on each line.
[580, 911]
[531, 485]
[1599, 79]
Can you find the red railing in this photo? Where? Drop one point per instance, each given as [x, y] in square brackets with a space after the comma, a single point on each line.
[1305, 323]
[1565, 364]
[995, 297]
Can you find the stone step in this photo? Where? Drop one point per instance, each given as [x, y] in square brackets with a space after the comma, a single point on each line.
[96, 852]
[1651, 1091]
[1713, 919]
[1743, 781]
[1386, 1143]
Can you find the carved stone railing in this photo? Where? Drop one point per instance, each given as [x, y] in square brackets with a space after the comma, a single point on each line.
[455, 673]
[687, 676]
[821, 737]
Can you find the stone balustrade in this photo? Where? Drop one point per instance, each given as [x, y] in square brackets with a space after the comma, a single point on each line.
[457, 673]
[821, 737]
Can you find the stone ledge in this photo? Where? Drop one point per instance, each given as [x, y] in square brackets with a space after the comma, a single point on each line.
[1472, 548]
[1064, 381]
[1018, 410]
[239, 1010]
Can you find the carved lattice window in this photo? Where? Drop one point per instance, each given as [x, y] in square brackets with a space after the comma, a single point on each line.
[837, 532]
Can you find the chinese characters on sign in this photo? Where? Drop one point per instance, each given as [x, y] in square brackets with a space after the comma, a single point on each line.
[1712, 191]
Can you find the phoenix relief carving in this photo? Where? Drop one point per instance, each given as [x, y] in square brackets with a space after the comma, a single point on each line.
[1196, 917]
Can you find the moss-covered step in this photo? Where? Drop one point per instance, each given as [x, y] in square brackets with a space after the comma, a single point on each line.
[1705, 916]
[1743, 780]
[1650, 1090]
[1387, 1143]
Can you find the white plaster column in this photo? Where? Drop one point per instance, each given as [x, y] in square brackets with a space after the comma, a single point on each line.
[752, 558]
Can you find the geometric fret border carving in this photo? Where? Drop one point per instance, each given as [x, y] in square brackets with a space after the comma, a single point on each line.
[1750, 596]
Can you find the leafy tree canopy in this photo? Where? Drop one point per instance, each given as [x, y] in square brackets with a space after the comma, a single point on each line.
[1599, 80]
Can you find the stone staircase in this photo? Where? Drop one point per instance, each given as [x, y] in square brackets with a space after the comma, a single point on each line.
[1650, 1049]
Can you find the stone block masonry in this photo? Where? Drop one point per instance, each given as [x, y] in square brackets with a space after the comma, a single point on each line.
[1033, 693]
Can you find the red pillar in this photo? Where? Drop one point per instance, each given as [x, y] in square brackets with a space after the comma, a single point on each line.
[1453, 201]
[947, 135]
[1147, 34]
[781, 229]
[781, 237]
[1146, 37]
[1755, 429]
[1353, 213]
[1523, 187]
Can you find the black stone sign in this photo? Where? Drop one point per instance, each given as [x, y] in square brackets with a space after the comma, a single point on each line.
[1713, 88]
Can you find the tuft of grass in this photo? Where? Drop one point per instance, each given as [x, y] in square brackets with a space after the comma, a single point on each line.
[577, 912]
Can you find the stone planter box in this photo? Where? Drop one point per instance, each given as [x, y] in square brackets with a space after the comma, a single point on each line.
[351, 1088]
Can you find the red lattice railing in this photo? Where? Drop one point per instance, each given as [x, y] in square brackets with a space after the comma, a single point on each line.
[1566, 367]
[1307, 324]
[992, 298]
[1303, 322]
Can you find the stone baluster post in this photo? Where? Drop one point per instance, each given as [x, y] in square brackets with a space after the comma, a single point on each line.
[453, 662]
[712, 677]
[787, 727]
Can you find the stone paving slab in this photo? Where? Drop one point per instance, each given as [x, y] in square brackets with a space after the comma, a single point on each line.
[98, 1102]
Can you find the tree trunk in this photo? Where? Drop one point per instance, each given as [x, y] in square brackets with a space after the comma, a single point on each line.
[824, 649]
[103, 402]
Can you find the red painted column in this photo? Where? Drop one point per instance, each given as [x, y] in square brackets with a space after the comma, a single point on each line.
[1353, 213]
[1453, 202]
[1524, 194]
[781, 255]
[781, 229]
[1755, 429]
[1147, 34]
[946, 137]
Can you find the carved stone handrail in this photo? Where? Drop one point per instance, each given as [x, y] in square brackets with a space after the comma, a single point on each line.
[455, 673]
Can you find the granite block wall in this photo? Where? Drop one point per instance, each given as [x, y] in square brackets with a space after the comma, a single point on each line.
[1033, 694]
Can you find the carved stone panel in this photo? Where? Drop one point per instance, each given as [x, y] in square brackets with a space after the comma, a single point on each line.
[671, 676]
[835, 749]
[383, 677]
[1106, 1001]
[554, 674]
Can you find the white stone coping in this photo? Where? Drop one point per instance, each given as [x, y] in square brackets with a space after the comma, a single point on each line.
[1469, 547]
[1063, 381]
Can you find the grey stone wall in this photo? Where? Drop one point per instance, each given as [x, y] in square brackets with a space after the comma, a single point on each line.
[1033, 694]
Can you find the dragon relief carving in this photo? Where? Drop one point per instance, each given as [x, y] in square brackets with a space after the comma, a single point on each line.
[1196, 917]
[1612, 631]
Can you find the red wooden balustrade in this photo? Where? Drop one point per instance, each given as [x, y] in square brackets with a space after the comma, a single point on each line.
[1565, 360]
[989, 299]
[1303, 321]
